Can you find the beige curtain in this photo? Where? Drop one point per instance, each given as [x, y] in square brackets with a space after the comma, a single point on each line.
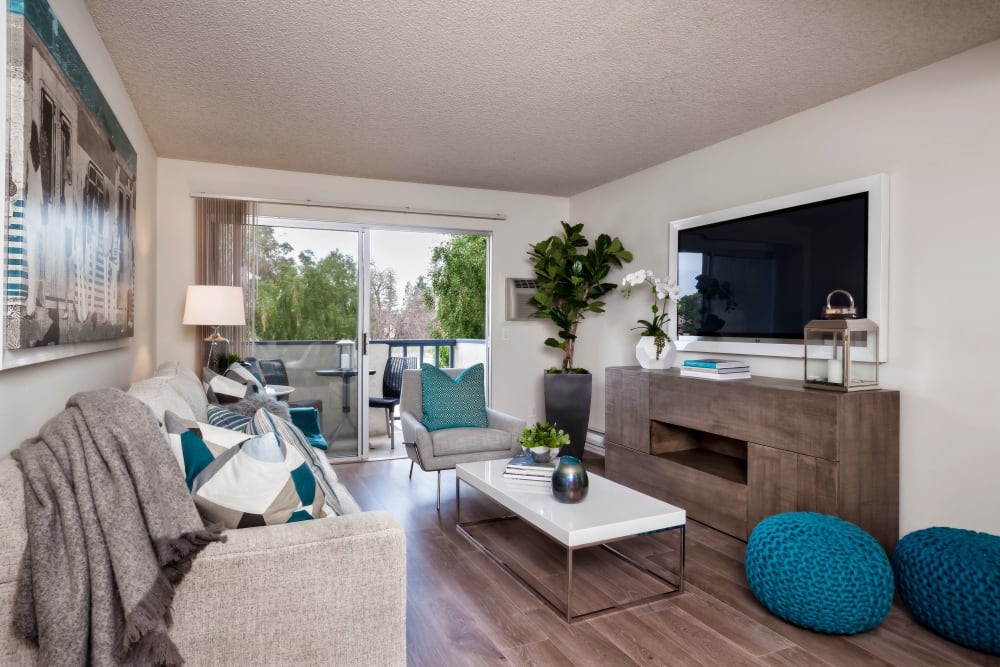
[226, 230]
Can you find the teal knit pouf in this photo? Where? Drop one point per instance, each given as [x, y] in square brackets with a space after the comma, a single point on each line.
[819, 572]
[949, 579]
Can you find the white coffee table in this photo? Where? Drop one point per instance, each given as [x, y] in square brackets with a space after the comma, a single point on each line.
[610, 512]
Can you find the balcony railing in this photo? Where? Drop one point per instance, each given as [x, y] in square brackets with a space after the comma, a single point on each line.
[304, 357]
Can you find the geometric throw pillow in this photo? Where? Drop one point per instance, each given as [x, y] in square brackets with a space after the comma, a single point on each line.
[255, 481]
[242, 374]
[196, 445]
[291, 437]
[454, 402]
[226, 390]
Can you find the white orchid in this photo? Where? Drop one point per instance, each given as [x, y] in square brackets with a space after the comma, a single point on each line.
[662, 290]
[635, 278]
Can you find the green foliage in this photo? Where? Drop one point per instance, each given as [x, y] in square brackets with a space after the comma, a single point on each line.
[571, 282]
[458, 287]
[688, 313]
[223, 361]
[304, 298]
[543, 435]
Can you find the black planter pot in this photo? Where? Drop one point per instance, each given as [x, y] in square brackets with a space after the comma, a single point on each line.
[567, 405]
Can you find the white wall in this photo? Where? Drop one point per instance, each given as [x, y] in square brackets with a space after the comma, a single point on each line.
[517, 362]
[30, 395]
[935, 132]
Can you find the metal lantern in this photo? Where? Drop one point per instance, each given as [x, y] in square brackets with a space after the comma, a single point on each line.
[345, 353]
[841, 352]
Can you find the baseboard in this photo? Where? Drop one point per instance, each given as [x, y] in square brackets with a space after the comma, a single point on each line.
[595, 442]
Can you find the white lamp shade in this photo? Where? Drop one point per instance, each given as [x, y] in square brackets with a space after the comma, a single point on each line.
[214, 305]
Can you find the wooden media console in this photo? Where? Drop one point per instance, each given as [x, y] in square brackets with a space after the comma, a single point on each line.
[734, 452]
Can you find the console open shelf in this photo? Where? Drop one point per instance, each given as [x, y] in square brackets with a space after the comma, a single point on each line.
[711, 463]
[732, 453]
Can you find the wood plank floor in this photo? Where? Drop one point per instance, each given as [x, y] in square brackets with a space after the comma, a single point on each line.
[463, 609]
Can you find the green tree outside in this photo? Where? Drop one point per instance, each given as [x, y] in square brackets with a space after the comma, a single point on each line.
[304, 298]
[458, 287]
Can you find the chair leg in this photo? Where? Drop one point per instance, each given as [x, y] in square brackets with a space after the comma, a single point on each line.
[411, 469]
[392, 431]
[439, 491]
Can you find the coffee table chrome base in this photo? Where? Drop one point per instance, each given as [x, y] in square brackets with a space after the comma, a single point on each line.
[565, 612]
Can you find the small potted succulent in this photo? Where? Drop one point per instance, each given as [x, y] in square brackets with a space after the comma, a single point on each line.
[542, 441]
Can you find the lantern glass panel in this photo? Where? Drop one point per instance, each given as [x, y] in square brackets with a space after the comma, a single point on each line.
[863, 360]
[823, 356]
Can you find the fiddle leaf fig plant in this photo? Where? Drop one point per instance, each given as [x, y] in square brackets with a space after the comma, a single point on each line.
[571, 282]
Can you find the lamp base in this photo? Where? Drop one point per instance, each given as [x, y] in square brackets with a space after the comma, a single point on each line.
[217, 354]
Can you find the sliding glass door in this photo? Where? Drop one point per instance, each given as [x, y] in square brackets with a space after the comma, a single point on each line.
[309, 320]
[428, 299]
[337, 302]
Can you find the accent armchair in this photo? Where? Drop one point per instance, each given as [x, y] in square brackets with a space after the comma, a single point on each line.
[442, 449]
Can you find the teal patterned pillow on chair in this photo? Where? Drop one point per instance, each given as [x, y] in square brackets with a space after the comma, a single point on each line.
[454, 403]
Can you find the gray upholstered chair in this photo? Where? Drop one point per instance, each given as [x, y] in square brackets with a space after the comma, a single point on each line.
[441, 450]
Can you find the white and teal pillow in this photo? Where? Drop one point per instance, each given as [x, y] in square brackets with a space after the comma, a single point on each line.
[196, 445]
[290, 435]
[243, 480]
[454, 402]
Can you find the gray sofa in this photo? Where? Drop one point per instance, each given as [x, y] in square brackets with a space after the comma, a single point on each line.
[330, 591]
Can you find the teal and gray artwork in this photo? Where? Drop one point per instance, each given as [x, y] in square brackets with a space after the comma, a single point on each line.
[70, 215]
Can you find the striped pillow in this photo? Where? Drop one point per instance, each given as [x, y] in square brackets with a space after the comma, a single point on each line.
[243, 480]
[223, 418]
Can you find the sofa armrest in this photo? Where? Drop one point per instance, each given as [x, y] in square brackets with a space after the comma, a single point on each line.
[505, 422]
[298, 594]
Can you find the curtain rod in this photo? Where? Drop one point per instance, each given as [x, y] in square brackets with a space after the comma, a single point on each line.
[355, 207]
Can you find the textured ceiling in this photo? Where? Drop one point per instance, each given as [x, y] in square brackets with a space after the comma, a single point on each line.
[538, 96]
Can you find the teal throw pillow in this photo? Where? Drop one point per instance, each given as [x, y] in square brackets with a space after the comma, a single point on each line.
[454, 403]
[307, 419]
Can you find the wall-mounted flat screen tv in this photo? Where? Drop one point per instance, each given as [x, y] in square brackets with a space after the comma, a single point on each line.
[755, 275]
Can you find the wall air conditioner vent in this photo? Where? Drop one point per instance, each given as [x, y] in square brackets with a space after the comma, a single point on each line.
[519, 291]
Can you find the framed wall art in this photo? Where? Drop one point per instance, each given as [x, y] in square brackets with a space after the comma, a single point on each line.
[70, 205]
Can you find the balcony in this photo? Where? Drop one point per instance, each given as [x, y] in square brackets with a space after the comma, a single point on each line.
[304, 357]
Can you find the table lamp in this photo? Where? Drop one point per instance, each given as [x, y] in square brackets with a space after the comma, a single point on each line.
[215, 306]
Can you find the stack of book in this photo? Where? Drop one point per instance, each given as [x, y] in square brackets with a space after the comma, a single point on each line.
[716, 369]
[523, 468]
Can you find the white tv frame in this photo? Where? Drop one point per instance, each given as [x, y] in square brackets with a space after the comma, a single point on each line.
[877, 187]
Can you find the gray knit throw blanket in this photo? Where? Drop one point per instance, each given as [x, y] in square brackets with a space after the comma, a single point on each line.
[112, 530]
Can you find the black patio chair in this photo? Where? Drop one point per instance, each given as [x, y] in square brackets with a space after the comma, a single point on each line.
[392, 385]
